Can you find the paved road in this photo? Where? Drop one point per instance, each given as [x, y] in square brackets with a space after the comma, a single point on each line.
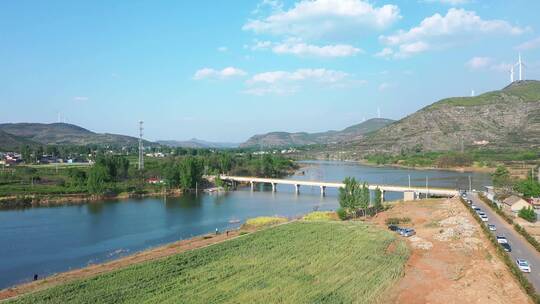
[520, 247]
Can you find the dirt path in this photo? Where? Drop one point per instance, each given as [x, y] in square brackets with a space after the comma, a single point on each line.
[451, 260]
[93, 270]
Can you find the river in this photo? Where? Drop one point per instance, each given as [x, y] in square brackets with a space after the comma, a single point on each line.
[47, 240]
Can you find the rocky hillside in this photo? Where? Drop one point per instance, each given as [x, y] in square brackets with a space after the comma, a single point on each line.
[62, 133]
[507, 118]
[285, 139]
[196, 144]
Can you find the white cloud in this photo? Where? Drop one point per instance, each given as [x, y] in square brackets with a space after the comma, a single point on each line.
[437, 32]
[478, 62]
[385, 52]
[449, 2]
[222, 49]
[383, 86]
[317, 75]
[288, 82]
[299, 48]
[529, 45]
[228, 72]
[310, 19]
[80, 98]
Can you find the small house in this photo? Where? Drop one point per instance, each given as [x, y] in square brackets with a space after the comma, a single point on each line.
[515, 203]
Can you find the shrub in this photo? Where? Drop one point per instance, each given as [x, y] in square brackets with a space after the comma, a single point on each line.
[528, 214]
[397, 220]
[263, 221]
[342, 214]
[320, 216]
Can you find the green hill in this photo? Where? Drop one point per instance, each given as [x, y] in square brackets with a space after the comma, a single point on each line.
[63, 134]
[10, 142]
[507, 118]
[286, 139]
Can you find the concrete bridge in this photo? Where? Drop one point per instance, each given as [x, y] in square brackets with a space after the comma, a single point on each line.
[410, 193]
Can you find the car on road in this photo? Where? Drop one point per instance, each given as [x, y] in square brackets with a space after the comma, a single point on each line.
[501, 239]
[484, 218]
[506, 247]
[474, 206]
[523, 265]
[492, 227]
[406, 232]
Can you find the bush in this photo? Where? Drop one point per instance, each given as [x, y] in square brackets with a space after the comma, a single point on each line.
[263, 221]
[342, 214]
[527, 214]
[320, 216]
[397, 220]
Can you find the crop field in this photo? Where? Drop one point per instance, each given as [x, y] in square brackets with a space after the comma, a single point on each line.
[300, 262]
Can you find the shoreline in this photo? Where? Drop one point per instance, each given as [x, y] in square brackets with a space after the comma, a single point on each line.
[36, 200]
[151, 254]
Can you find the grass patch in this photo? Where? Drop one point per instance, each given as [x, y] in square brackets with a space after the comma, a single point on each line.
[301, 262]
[264, 221]
[320, 216]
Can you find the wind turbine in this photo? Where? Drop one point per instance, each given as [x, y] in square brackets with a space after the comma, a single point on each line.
[521, 65]
[511, 74]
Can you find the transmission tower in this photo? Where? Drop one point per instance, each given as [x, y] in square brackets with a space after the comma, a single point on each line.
[141, 148]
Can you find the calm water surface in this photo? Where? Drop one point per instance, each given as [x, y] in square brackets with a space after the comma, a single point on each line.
[48, 240]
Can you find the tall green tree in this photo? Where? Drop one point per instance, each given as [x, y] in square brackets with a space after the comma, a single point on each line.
[364, 198]
[377, 203]
[350, 195]
[97, 179]
[501, 177]
[191, 171]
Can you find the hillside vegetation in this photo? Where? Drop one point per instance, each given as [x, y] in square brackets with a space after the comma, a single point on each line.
[509, 118]
[301, 262]
[286, 139]
[62, 134]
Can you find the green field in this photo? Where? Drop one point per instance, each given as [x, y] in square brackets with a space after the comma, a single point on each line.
[301, 262]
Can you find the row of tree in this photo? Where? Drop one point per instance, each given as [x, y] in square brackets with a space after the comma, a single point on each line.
[355, 198]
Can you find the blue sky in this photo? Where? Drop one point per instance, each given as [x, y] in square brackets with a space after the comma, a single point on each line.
[226, 70]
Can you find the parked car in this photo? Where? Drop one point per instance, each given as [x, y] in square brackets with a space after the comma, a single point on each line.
[523, 265]
[469, 202]
[506, 247]
[484, 218]
[492, 227]
[408, 232]
[474, 206]
[501, 239]
[481, 213]
[477, 209]
[393, 227]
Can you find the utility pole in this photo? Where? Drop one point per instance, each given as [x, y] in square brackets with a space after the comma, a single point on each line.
[141, 148]
[409, 181]
[470, 184]
[427, 186]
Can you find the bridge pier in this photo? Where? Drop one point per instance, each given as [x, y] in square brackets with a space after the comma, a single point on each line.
[297, 188]
[274, 187]
[252, 185]
[323, 190]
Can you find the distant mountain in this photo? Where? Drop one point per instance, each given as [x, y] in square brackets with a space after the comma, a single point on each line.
[508, 118]
[10, 142]
[63, 134]
[196, 143]
[285, 139]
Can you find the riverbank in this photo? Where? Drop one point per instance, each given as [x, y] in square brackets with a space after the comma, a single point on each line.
[40, 200]
[451, 169]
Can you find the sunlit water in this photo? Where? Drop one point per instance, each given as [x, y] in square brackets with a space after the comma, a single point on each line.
[48, 240]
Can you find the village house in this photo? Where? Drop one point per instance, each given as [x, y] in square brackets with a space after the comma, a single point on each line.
[515, 203]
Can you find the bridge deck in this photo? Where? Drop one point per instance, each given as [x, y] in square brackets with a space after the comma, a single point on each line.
[391, 188]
